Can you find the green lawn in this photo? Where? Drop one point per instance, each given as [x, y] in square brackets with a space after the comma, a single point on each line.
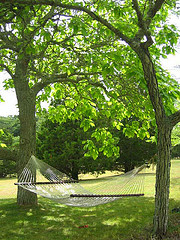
[125, 219]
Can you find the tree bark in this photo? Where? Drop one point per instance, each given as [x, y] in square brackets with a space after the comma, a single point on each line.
[164, 143]
[162, 181]
[26, 103]
[74, 171]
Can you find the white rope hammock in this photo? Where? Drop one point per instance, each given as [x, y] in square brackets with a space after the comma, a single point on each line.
[44, 180]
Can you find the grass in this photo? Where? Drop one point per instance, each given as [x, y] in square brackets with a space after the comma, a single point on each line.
[124, 219]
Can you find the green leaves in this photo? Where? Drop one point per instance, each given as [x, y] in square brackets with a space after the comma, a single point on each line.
[92, 150]
[140, 130]
[175, 138]
[1, 134]
[169, 90]
[167, 38]
[8, 83]
[86, 124]
[117, 124]
[1, 99]
[107, 142]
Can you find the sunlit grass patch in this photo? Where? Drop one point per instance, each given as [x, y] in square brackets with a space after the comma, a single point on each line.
[7, 188]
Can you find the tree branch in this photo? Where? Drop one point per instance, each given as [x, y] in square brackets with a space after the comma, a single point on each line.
[64, 78]
[7, 43]
[144, 23]
[42, 23]
[46, 80]
[154, 8]
[61, 78]
[57, 3]
[143, 31]
[6, 68]
[139, 14]
[174, 118]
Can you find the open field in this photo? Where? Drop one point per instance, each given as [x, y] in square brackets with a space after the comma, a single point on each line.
[124, 219]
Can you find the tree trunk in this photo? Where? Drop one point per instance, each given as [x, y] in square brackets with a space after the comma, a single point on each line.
[26, 103]
[162, 182]
[27, 148]
[128, 165]
[74, 171]
[164, 142]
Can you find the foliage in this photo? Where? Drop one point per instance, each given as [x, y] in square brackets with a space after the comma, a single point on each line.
[36, 55]
[176, 141]
[175, 138]
[9, 138]
[134, 152]
[11, 124]
[176, 151]
[11, 129]
[1, 134]
[90, 63]
[61, 145]
[6, 138]
[7, 168]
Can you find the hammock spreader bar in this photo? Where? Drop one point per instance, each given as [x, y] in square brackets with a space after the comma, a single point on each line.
[45, 183]
[106, 195]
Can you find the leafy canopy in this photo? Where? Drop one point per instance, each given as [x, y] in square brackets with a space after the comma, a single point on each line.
[82, 61]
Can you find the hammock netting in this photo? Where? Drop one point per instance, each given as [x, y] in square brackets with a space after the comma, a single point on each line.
[42, 179]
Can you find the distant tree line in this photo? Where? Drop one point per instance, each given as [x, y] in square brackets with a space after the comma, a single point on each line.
[62, 146]
[9, 139]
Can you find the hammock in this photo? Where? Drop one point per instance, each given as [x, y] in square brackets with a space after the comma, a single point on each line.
[40, 178]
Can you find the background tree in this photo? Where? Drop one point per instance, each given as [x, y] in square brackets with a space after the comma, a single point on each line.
[7, 168]
[176, 151]
[10, 124]
[176, 135]
[9, 140]
[176, 141]
[134, 152]
[61, 145]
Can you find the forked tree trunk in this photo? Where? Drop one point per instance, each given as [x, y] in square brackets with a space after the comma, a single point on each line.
[162, 182]
[26, 104]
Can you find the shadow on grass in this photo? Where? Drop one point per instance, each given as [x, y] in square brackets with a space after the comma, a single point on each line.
[123, 219]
